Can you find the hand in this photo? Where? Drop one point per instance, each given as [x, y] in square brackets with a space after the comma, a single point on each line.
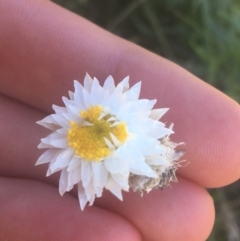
[43, 48]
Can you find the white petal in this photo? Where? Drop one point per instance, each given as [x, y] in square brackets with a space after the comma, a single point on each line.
[99, 178]
[49, 123]
[118, 89]
[71, 95]
[148, 105]
[42, 145]
[103, 114]
[140, 167]
[136, 160]
[147, 145]
[100, 172]
[60, 120]
[109, 84]
[125, 83]
[112, 118]
[98, 189]
[88, 83]
[109, 144]
[158, 131]
[62, 131]
[63, 182]
[134, 92]
[86, 123]
[115, 141]
[53, 160]
[62, 161]
[50, 126]
[114, 188]
[75, 161]
[82, 196]
[90, 192]
[59, 109]
[87, 98]
[128, 152]
[131, 110]
[116, 100]
[55, 140]
[47, 156]
[156, 114]
[77, 86]
[86, 173]
[148, 126]
[115, 165]
[73, 106]
[78, 97]
[74, 176]
[122, 180]
[75, 111]
[97, 93]
[60, 143]
[73, 117]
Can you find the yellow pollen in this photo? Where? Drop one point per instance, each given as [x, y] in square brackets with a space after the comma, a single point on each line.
[88, 141]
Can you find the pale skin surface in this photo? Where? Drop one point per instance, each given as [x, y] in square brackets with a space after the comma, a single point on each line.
[42, 49]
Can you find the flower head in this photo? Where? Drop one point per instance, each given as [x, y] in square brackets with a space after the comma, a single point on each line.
[106, 137]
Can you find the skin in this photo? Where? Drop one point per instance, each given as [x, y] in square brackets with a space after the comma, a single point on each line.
[42, 49]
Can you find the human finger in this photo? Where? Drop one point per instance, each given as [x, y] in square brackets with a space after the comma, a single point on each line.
[31, 210]
[183, 212]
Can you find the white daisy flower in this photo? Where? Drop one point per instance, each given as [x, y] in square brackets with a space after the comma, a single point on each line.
[106, 137]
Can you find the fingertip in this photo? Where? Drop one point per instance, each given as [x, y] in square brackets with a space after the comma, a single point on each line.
[213, 150]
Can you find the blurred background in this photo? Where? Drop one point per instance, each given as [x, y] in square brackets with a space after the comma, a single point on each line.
[202, 36]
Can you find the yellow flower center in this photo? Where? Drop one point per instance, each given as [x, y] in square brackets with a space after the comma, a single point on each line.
[88, 141]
